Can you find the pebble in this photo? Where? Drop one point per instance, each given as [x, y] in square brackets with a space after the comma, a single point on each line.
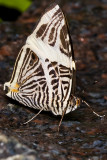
[11, 149]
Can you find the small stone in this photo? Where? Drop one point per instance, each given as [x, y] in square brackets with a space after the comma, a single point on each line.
[5, 50]
[104, 76]
[97, 143]
[94, 158]
[3, 139]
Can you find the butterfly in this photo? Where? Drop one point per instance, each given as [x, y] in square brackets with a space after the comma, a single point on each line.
[44, 73]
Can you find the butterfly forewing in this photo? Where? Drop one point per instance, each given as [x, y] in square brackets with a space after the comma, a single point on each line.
[43, 72]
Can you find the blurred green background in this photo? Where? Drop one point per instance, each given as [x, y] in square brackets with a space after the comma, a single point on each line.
[10, 10]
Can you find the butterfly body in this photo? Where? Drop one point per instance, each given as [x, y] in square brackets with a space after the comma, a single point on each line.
[44, 72]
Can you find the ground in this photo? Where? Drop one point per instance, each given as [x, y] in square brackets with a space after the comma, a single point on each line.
[82, 135]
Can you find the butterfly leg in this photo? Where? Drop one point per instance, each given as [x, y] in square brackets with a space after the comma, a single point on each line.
[34, 116]
[63, 113]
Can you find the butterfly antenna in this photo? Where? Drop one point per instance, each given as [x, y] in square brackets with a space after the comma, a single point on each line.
[92, 109]
[33, 117]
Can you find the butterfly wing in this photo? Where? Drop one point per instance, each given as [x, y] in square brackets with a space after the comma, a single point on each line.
[45, 66]
[52, 33]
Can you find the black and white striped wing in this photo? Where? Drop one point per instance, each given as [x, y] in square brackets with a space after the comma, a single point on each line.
[52, 33]
[45, 67]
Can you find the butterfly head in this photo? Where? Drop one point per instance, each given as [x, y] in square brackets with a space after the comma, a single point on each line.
[75, 102]
[78, 102]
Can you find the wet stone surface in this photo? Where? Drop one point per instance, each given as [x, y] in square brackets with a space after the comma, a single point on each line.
[82, 136]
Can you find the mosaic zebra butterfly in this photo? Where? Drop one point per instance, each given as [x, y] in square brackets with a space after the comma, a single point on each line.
[44, 73]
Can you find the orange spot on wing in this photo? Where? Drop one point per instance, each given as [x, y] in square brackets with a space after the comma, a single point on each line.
[15, 88]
